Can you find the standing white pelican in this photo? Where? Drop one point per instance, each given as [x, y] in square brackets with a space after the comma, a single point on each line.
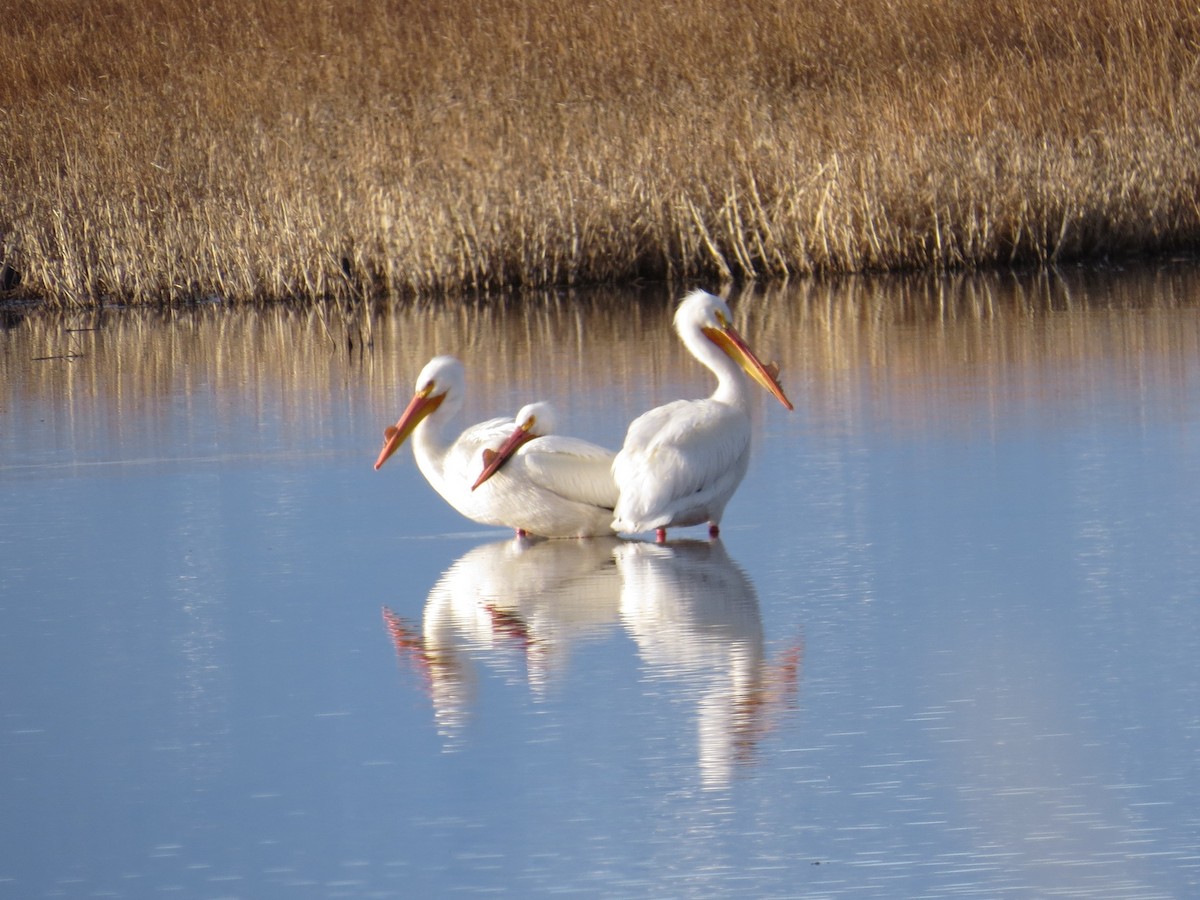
[553, 487]
[682, 462]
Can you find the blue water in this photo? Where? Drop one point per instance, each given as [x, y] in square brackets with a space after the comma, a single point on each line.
[945, 646]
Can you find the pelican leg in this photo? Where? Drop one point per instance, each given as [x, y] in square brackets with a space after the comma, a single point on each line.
[714, 530]
[660, 535]
[521, 533]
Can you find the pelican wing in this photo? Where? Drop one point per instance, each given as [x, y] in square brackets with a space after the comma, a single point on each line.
[571, 468]
[675, 456]
[465, 456]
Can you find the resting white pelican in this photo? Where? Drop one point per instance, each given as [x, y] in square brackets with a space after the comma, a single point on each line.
[682, 462]
[553, 487]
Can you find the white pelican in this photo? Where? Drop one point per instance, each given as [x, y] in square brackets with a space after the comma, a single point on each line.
[553, 486]
[682, 462]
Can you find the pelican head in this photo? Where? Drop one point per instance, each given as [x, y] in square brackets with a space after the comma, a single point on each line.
[442, 378]
[533, 421]
[702, 313]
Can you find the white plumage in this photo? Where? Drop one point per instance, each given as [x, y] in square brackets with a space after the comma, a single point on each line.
[681, 462]
[551, 486]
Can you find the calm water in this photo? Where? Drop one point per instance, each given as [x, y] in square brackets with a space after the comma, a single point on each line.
[946, 646]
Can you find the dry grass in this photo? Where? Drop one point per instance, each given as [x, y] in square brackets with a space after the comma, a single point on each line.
[155, 151]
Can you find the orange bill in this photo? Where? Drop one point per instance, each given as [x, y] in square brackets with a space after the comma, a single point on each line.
[493, 460]
[739, 351]
[421, 405]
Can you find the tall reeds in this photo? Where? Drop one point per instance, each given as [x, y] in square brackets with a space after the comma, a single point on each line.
[155, 151]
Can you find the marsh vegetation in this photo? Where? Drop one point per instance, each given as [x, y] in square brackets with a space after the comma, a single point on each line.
[155, 151]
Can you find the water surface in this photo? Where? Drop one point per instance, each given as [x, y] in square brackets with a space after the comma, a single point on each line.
[944, 647]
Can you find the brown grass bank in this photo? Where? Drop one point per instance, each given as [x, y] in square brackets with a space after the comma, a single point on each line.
[158, 151]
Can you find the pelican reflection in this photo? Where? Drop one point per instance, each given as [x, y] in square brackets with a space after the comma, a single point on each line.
[512, 603]
[694, 616]
[517, 606]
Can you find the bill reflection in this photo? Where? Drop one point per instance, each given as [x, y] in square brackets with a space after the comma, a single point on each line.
[517, 608]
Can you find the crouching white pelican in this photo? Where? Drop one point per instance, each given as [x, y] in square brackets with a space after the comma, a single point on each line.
[553, 486]
[682, 462]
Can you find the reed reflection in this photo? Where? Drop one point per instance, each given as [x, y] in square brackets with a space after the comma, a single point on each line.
[516, 607]
[912, 350]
